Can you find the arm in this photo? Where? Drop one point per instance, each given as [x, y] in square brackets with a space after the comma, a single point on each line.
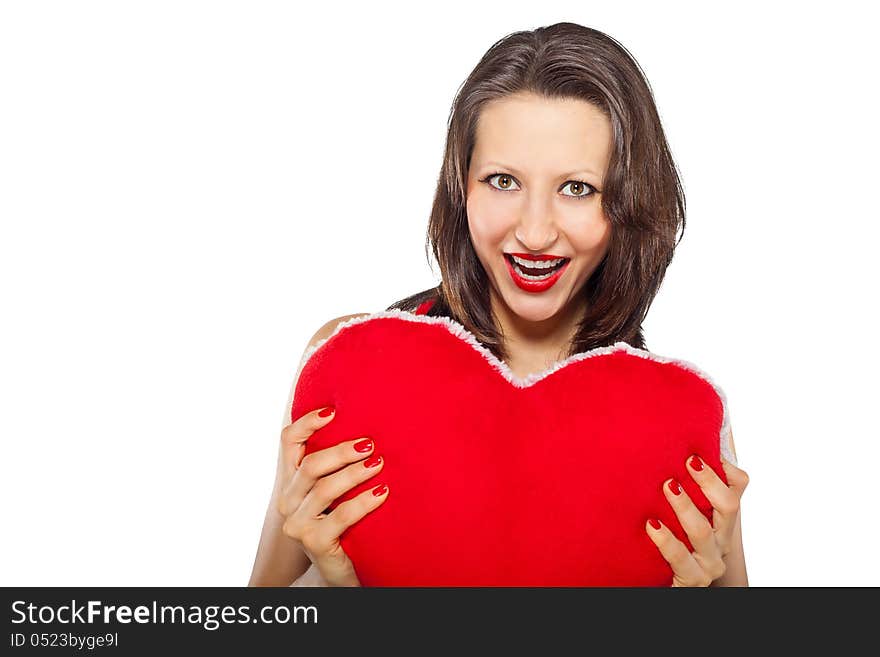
[280, 560]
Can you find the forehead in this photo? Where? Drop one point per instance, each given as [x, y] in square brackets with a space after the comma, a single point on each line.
[536, 133]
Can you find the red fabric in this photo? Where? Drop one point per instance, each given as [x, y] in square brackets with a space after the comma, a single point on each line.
[494, 485]
[425, 306]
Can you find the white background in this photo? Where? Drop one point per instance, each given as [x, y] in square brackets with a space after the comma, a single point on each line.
[188, 190]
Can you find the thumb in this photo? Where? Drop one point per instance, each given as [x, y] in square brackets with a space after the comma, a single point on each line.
[736, 477]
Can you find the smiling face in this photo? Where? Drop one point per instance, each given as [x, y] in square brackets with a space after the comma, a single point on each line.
[552, 156]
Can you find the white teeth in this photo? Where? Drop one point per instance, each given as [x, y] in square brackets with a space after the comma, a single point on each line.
[529, 277]
[537, 264]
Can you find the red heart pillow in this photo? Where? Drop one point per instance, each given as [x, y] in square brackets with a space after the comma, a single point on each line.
[501, 481]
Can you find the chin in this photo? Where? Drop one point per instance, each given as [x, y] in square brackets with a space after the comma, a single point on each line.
[535, 309]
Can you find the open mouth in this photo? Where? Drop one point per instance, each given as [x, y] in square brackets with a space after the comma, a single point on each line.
[534, 272]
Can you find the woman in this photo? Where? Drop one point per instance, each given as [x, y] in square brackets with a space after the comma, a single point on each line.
[554, 220]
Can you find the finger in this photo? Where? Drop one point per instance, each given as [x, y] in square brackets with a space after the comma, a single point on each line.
[330, 487]
[686, 571]
[295, 434]
[350, 511]
[319, 464]
[724, 499]
[694, 523]
[736, 478]
[326, 461]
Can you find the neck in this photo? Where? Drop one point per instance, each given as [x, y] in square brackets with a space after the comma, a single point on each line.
[546, 339]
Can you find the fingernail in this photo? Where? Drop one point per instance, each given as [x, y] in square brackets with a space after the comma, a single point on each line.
[363, 446]
[654, 523]
[696, 463]
[380, 490]
[674, 487]
[324, 412]
[372, 462]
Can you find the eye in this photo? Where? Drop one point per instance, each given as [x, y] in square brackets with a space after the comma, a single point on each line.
[582, 189]
[501, 176]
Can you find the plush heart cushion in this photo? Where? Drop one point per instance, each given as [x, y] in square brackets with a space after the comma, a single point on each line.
[500, 481]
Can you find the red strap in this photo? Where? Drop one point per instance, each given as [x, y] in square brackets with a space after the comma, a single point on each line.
[425, 306]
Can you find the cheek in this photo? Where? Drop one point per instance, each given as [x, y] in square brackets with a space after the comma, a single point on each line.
[591, 235]
[488, 224]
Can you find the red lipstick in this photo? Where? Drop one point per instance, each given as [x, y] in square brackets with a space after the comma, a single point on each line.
[526, 256]
[533, 285]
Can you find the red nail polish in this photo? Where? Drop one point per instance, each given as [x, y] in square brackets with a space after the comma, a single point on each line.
[363, 446]
[674, 487]
[696, 463]
[372, 462]
[654, 523]
[324, 412]
[380, 490]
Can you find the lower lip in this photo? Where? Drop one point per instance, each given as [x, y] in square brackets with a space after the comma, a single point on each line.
[534, 286]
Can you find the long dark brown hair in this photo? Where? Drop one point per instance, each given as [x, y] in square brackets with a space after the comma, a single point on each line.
[642, 194]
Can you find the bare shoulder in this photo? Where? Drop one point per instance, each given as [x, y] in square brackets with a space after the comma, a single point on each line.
[327, 329]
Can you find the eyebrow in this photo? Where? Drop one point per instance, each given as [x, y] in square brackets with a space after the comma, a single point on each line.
[566, 175]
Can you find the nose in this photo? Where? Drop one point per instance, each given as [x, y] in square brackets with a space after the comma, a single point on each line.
[536, 229]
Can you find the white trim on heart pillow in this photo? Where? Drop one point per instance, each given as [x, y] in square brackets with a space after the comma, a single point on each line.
[502, 368]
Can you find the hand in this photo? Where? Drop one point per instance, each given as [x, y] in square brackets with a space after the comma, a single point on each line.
[311, 578]
[309, 484]
[711, 542]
